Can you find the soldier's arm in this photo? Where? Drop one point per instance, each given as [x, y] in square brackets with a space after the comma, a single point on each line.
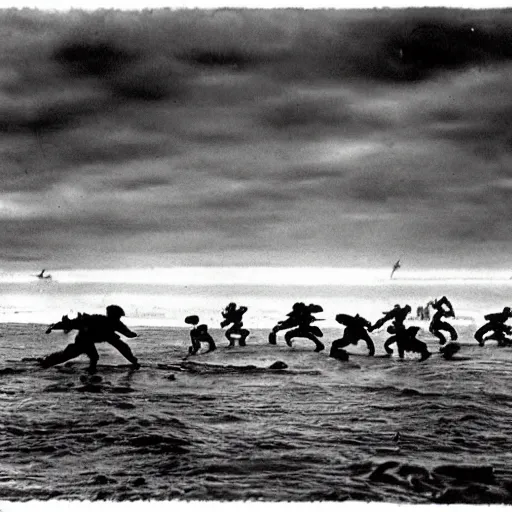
[125, 331]
[379, 323]
[366, 323]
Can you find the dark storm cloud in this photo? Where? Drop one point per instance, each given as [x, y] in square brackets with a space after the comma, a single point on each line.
[47, 114]
[414, 45]
[99, 59]
[212, 132]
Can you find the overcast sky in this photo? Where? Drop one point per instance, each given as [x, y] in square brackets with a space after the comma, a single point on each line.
[293, 138]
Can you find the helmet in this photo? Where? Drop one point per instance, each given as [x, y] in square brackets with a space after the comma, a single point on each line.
[192, 320]
[298, 306]
[115, 311]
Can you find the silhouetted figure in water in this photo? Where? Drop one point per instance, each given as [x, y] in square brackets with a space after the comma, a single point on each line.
[355, 330]
[92, 329]
[199, 334]
[300, 317]
[406, 341]
[233, 315]
[443, 309]
[498, 328]
[397, 315]
[405, 338]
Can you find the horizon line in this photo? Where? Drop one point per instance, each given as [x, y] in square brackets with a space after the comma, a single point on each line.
[262, 276]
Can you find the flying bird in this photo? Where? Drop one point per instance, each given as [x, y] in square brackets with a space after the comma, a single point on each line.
[396, 266]
[42, 276]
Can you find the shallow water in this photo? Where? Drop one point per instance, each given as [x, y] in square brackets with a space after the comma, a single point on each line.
[215, 427]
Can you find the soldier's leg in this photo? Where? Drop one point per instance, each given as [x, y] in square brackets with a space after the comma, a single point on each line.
[280, 326]
[316, 331]
[211, 344]
[124, 349]
[479, 334]
[500, 336]
[195, 346]
[445, 326]
[229, 332]
[401, 345]
[337, 351]
[296, 333]
[438, 334]
[421, 347]
[388, 343]
[70, 352]
[244, 333]
[369, 342]
[319, 345]
[339, 344]
[92, 354]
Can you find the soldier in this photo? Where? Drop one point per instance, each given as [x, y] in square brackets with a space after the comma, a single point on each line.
[199, 334]
[233, 315]
[443, 309]
[496, 324]
[355, 330]
[92, 329]
[300, 317]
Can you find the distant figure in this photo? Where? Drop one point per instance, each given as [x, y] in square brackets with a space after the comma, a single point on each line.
[300, 317]
[443, 309]
[42, 276]
[233, 315]
[355, 330]
[199, 334]
[423, 312]
[92, 329]
[495, 324]
[396, 266]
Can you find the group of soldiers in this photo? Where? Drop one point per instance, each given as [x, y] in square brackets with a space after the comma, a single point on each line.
[298, 324]
[94, 329]
[358, 328]
[232, 316]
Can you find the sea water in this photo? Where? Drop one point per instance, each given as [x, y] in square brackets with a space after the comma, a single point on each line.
[221, 426]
